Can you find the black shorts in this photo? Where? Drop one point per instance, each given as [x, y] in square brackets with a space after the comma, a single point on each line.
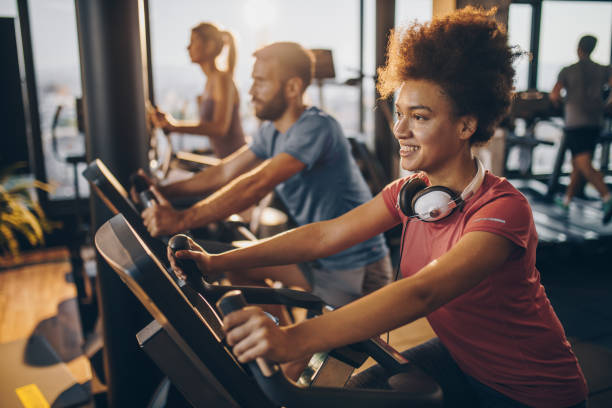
[582, 139]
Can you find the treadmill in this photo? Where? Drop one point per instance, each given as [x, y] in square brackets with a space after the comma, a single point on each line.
[187, 343]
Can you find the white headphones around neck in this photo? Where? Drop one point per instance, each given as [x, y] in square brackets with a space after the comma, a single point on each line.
[433, 203]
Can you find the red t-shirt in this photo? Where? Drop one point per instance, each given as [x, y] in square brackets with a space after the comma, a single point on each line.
[503, 332]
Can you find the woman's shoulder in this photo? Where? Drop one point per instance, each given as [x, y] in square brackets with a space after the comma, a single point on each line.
[501, 209]
[221, 79]
[220, 84]
[499, 191]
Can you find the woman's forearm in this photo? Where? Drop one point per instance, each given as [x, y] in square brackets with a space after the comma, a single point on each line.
[312, 241]
[293, 246]
[362, 319]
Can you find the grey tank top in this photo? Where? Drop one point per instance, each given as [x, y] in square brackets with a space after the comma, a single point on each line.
[584, 83]
[233, 139]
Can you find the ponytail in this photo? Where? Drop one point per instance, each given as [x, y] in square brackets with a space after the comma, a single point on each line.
[228, 39]
[209, 31]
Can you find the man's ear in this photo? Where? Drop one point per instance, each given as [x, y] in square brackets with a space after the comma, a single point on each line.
[468, 126]
[294, 87]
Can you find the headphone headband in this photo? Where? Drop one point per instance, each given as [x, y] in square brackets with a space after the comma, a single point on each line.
[434, 203]
[476, 182]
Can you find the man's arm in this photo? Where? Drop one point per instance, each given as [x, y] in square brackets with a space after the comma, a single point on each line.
[238, 195]
[244, 191]
[555, 94]
[214, 177]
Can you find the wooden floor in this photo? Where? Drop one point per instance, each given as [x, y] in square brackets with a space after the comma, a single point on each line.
[37, 297]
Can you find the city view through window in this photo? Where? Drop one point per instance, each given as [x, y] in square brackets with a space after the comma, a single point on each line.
[178, 82]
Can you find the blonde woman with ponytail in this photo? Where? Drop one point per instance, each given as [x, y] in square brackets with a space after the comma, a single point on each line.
[219, 103]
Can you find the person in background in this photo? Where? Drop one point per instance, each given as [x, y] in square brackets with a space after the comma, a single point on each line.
[584, 107]
[219, 104]
[469, 239]
[301, 153]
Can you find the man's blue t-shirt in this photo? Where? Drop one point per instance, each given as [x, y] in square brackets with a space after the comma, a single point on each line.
[329, 186]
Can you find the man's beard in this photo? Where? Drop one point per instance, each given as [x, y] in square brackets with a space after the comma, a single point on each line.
[274, 108]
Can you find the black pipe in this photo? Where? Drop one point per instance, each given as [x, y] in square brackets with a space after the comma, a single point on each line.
[536, 20]
[114, 87]
[385, 144]
[361, 75]
[30, 101]
[149, 67]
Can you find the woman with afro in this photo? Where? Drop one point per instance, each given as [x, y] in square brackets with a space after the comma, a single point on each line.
[469, 241]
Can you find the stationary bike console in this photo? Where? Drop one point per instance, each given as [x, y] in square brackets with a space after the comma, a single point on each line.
[115, 197]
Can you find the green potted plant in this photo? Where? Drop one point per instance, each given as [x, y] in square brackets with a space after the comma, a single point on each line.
[20, 214]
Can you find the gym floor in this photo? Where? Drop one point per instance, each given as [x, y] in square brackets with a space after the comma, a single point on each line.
[580, 293]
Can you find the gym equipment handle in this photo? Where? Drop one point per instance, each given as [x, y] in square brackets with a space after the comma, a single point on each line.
[147, 198]
[284, 392]
[180, 242]
[140, 183]
[231, 302]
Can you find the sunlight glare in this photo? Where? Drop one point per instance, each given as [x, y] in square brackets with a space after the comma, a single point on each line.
[260, 14]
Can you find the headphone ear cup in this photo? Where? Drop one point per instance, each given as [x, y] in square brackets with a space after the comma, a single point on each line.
[407, 193]
[434, 203]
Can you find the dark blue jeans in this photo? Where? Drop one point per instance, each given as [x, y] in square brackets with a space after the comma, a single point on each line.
[460, 390]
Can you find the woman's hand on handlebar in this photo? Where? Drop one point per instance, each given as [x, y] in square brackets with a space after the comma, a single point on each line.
[253, 334]
[195, 253]
[162, 120]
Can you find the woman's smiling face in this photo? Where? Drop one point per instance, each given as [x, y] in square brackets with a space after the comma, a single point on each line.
[429, 133]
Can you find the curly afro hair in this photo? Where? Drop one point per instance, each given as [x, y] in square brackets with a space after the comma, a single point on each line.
[467, 54]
